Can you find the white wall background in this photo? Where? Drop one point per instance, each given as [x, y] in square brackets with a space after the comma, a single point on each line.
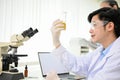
[18, 15]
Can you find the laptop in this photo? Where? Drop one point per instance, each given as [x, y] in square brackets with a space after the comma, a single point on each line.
[49, 62]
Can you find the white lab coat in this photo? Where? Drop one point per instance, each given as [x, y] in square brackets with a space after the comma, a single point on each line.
[107, 69]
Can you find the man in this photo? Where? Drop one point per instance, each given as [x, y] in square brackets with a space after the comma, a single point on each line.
[104, 62]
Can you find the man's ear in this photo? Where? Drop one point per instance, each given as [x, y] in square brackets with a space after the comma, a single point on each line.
[110, 26]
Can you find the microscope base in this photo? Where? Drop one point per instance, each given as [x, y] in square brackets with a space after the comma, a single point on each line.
[11, 76]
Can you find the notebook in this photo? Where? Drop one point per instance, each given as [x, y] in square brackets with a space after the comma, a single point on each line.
[49, 62]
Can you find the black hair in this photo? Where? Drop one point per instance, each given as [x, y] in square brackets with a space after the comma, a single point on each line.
[111, 3]
[108, 14]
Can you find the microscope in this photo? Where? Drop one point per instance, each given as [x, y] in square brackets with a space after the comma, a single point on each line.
[8, 52]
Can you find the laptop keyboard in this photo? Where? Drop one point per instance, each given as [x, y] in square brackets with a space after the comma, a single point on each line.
[70, 77]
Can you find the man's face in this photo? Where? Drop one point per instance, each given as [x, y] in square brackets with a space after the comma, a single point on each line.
[98, 31]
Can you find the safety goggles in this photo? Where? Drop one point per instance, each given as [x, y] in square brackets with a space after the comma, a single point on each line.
[97, 24]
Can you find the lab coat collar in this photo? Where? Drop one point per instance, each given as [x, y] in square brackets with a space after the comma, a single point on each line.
[114, 48]
[96, 55]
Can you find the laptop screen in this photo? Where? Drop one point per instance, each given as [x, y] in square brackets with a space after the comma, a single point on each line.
[49, 62]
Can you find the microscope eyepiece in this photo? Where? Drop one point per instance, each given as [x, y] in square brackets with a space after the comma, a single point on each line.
[29, 33]
[26, 32]
[32, 33]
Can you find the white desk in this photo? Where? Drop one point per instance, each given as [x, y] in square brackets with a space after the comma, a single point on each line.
[34, 72]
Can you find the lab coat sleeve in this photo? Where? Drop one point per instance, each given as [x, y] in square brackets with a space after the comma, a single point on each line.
[78, 65]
